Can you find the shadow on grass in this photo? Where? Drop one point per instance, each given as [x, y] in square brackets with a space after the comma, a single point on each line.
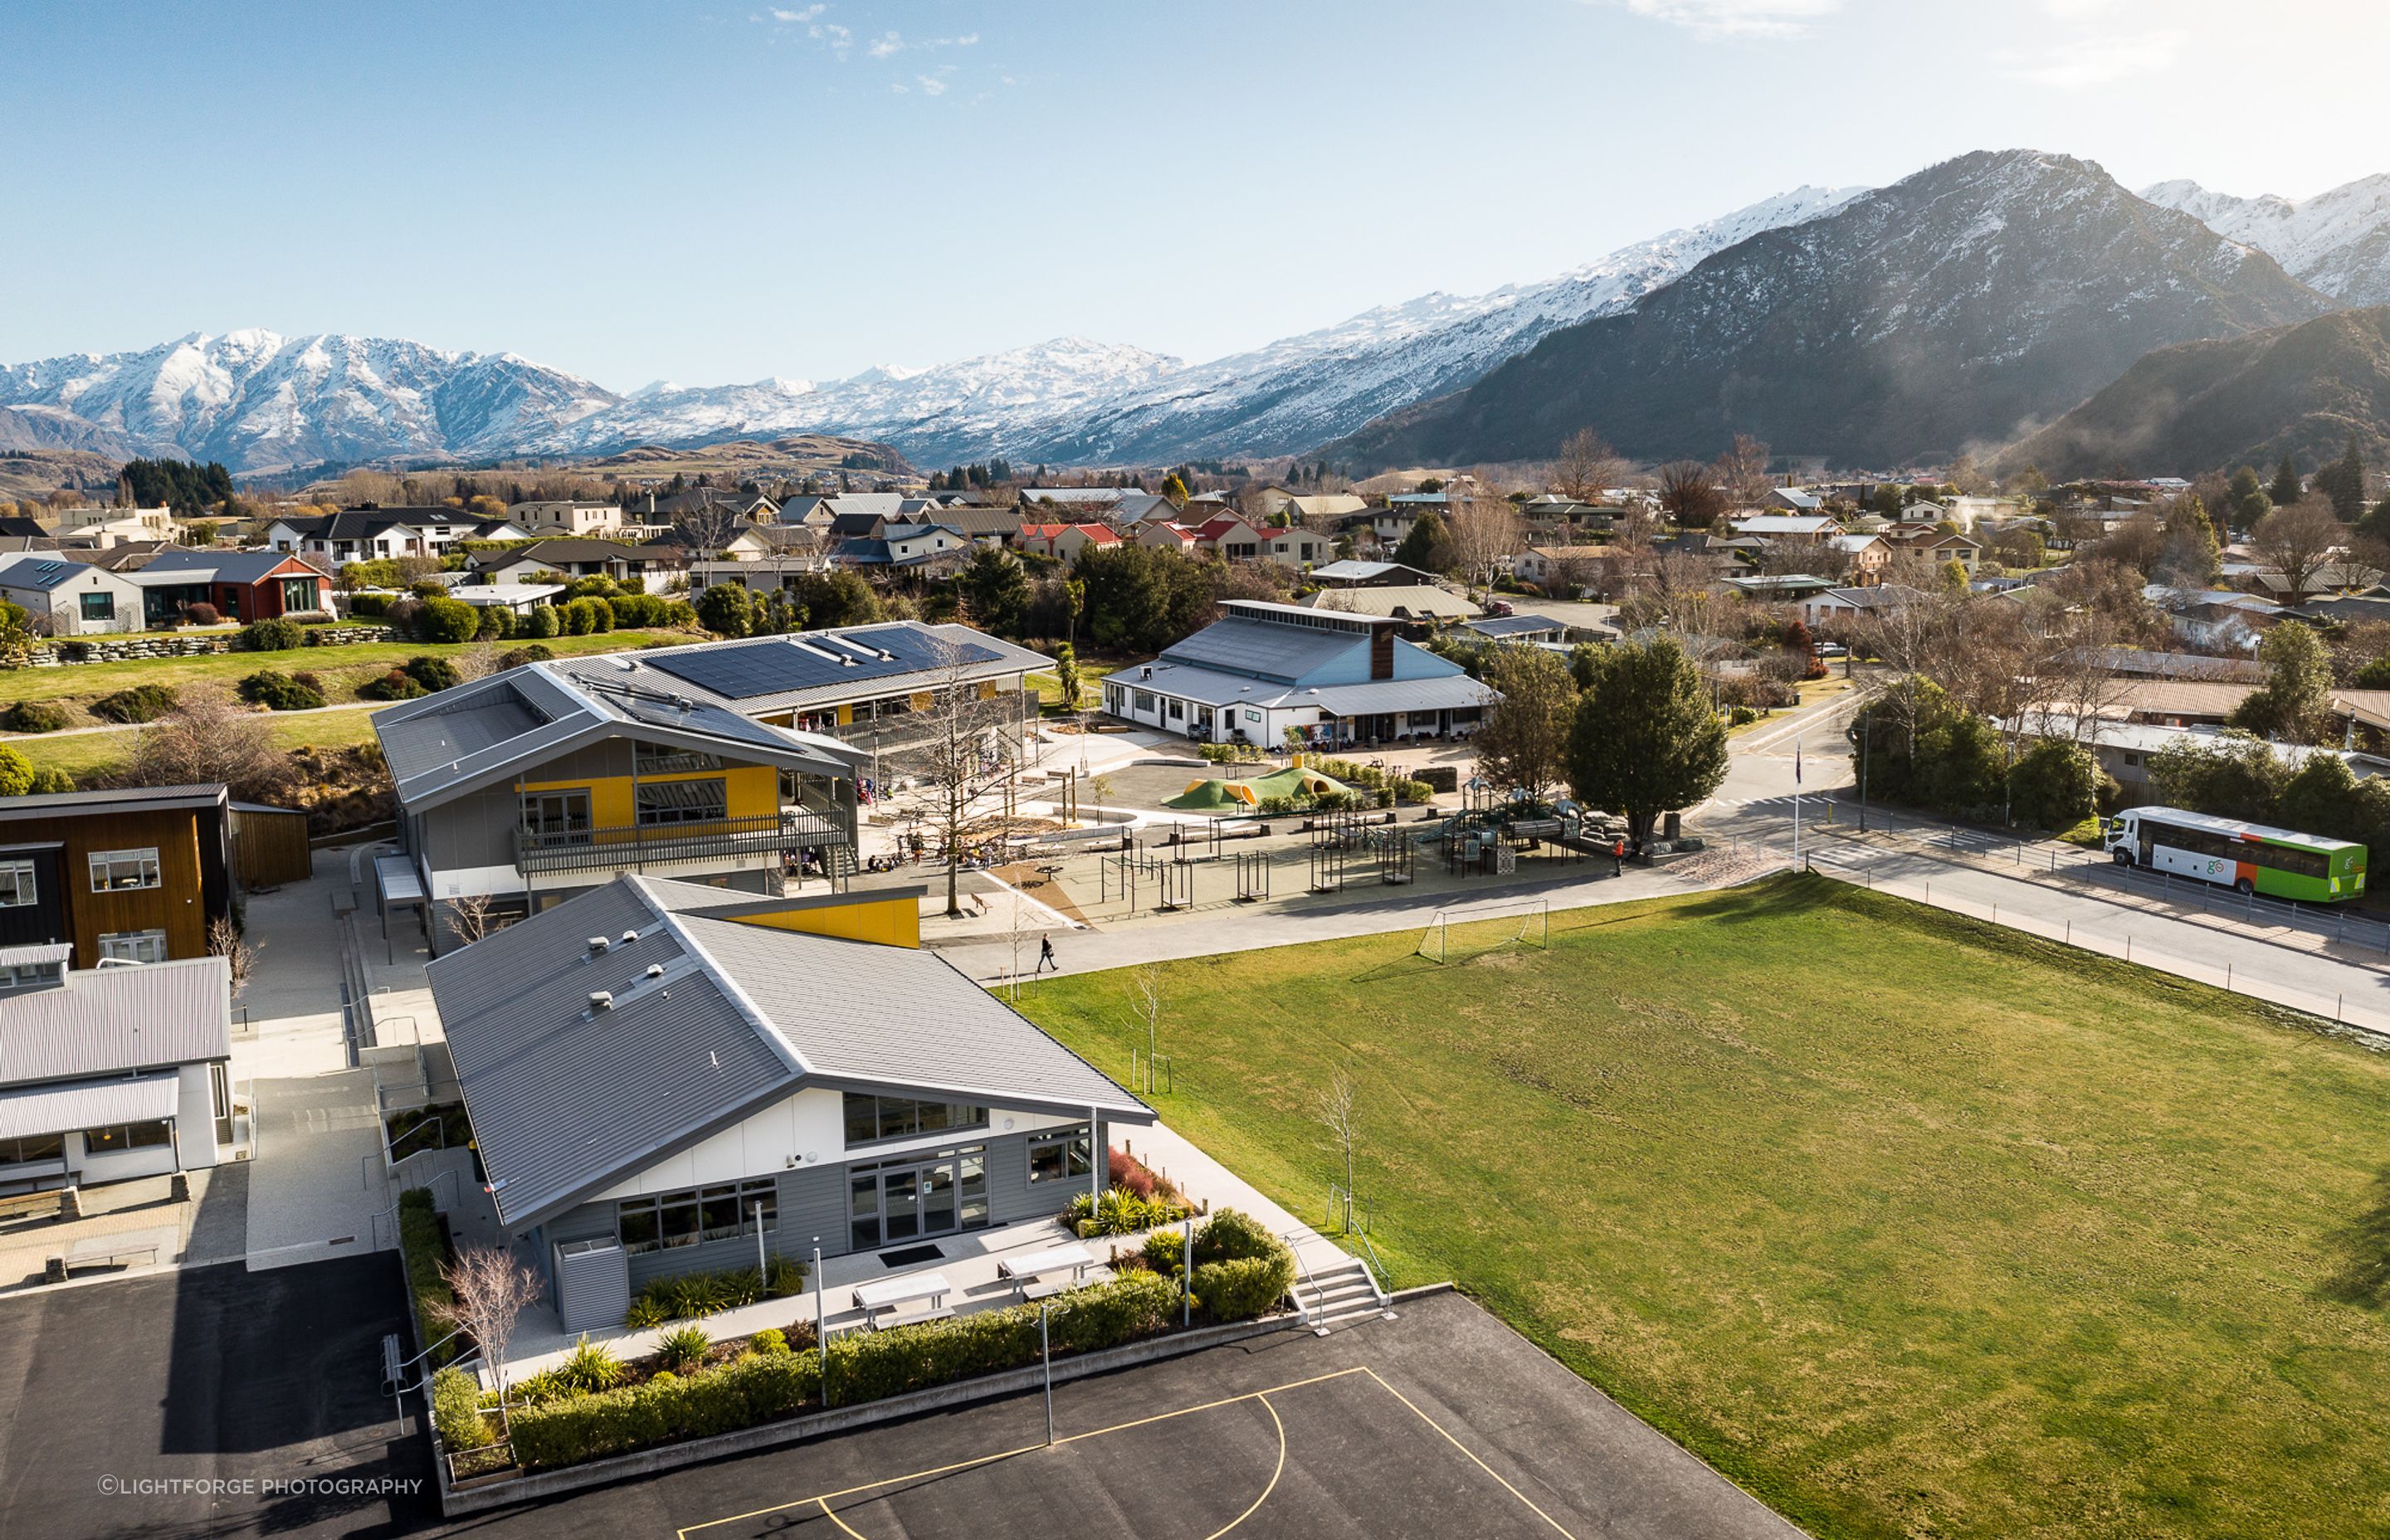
[2363, 1276]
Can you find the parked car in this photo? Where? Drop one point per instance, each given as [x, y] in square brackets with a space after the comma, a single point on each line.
[1499, 606]
[1830, 649]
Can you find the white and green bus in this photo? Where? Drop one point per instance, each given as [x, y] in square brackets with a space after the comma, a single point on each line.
[2248, 858]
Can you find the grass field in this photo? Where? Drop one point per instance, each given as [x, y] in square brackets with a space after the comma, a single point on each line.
[1091, 689]
[1912, 1225]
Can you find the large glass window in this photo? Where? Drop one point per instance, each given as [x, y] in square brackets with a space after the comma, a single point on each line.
[129, 1135]
[656, 759]
[40, 1146]
[141, 946]
[869, 1119]
[16, 887]
[99, 606]
[722, 1212]
[556, 814]
[703, 801]
[112, 870]
[1064, 1155]
[298, 595]
[35, 975]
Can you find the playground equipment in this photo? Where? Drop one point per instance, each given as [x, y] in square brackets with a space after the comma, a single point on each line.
[1253, 877]
[1328, 861]
[1392, 849]
[1177, 886]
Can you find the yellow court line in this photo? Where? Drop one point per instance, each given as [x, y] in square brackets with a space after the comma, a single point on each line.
[1256, 1505]
[1481, 1465]
[822, 1500]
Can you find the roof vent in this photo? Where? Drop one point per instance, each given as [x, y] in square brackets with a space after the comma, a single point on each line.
[600, 1000]
[629, 936]
[596, 945]
[655, 971]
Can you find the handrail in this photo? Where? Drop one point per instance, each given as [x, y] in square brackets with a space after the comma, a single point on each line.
[1292, 1238]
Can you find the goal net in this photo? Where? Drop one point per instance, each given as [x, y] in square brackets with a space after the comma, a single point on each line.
[1520, 922]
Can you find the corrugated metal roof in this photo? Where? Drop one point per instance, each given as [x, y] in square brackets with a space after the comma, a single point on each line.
[96, 1104]
[565, 1100]
[1448, 692]
[109, 1019]
[123, 799]
[1259, 649]
[39, 952]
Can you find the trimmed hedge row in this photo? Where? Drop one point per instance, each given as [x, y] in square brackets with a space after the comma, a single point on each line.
[419, 1244]
[753, 1389]
[876, 1364]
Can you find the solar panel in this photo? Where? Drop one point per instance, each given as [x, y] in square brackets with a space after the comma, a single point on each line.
[772, 666]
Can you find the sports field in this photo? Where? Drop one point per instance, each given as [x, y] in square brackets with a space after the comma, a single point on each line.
[1907, 1223]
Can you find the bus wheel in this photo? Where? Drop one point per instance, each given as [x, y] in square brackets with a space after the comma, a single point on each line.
[2244, 887]
[2124, 855]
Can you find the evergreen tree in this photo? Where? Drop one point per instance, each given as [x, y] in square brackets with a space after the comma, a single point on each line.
[1427, 547]
[2286, 489]
[2343, 482]
[2249, 500]
[1644, 740]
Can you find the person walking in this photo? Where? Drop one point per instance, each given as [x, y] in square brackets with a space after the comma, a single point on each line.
[1618, 856]
[1045, 956]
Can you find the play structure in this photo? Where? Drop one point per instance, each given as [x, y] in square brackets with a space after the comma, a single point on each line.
[1294, 782]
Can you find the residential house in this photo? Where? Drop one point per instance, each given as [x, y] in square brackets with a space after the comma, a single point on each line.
[520, 598]
[903, 548]
[2221, 619]
[648, 568]
[1390, 523]
[1792, 500]
[1371, 574]
[66, 598]
[706, 502]
[1540, 629]
[1083, 502]
[1424, 602]
[1233, 538]
[1162, 537]
[1297, 548]
[1064, 542]
[1845, 605]
[855, 1091]
[1337, 678]
[1796, 527]
[373, 534]
[1941, 550]
[566, 516]
[137, 874]
[111, 1074]
[242, 585]
[105, 527]
[2125, 749]
[1869, 554]
[1786, 587]
[982, 526]
[2150, 663]
[1563, 569]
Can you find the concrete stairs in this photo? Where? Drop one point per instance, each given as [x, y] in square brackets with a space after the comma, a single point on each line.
[1337, 1295]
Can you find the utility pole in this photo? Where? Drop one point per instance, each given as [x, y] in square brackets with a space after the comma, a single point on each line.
[1864, 737]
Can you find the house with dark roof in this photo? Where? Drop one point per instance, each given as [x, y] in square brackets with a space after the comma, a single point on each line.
[242, 585]
[1337, 678]
[899, 547]
[647, 567]
[108, 1074]
[136, 873]
[66, 598]
[372, 534]
[665, 1078]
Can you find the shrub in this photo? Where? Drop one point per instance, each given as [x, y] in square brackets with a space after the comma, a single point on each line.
[443, 619]
[33, 716]
[274, 634]
[518, 656]
[432, 673]
[783, 1277]
[769, 1340]
[1121, 1212]
[141, 703]
[684, 1349]
[1233, 1234]
[393, 686]
[645, 1312]
[590, 1367]
[872, 1366]
[639, 609]
[497, 623]
[279, 692]
[1242, 1287]
[422, 1250]
[369, 604]
[1164, 1251]
[752, 1390]
[202, 614]
[541, 622]
[457, 1411]
[693, 1294]
[1413, 791]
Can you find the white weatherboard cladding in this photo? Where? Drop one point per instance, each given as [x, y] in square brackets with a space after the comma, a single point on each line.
[808, 1129]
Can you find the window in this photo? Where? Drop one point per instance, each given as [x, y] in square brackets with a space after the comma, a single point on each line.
[722, 1212]
[1061, 1156]
[556, 813]
[99, 606]
[655, 759]
[684, 802]
[16, 887]
[1177, 709]
[112, 870]
[870, 1118]
[124, 1136]
[1145, 700]
[298, 593]
[141, 946]
[43, 1147]
[32, 976]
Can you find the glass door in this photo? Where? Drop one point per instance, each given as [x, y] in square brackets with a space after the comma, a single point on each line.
[900, 1205]
[938, 1198]
[863, 1209]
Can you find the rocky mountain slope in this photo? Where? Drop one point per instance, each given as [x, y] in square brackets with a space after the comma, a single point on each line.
[2337, 243]
[2299, 390]
[1950, 310]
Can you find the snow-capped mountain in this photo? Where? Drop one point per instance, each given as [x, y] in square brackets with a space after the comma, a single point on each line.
[258, 400]
[1944, 312]
[2336, 242]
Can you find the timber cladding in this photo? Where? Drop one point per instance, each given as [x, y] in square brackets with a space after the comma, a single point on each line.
[160, 865]
[178, 904]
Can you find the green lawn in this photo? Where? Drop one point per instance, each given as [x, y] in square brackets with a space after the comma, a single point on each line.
[1091, 691]
[1912, 1225]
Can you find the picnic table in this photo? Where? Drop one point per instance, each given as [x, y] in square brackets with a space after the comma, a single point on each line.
[888, 1294]
[120, 1249]
[1028, 1270]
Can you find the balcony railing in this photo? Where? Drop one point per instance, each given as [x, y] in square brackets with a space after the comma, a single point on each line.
[632, 847]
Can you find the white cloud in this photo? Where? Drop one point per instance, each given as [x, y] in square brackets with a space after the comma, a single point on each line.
[794, 18]
[885, 44]
[2089, 61]
[931, 85]
[1737, 17]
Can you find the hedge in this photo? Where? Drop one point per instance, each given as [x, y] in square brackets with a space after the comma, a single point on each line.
[420, 1245]
[275, 634]
[457, 1411]
[1241, 1288]
[747, 1391]
[873, 1365]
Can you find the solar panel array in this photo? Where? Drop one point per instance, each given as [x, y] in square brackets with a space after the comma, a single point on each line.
[775, 665]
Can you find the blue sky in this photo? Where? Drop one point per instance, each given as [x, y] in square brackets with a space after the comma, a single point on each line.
[713, 192]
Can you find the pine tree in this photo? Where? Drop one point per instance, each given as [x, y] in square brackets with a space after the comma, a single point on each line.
[2286, 489]
[2343, 482]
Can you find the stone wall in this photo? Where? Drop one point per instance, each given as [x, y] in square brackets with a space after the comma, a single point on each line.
[99, 650]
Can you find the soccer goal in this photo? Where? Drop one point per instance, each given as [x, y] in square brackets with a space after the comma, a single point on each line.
[1531, 926]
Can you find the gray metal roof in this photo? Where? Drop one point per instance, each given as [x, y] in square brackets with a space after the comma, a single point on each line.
[1512, 625]
[96, 1104]
[203, 566]
[122, 799]
[803, 682]
[1261, 649]
[105, 1020]
[567, 1099]
[1445, 692]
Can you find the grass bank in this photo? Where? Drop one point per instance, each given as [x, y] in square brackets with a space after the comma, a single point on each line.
[1910, 1224]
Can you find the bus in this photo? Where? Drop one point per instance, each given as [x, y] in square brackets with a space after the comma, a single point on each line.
[2248, 858]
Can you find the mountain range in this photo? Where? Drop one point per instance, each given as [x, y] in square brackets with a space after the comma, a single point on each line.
[1961, 308]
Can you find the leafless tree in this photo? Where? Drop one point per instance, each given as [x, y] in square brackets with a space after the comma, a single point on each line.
[209, 739]
[1484, 529]
[1145, 986]
[708, 524]
[492, 1288]
[1689, 496]
[224, 941]
[966, 750]
[2298, 540]
[469, 918]
[1742, 472]
[1586, 465]
[1334, 1105]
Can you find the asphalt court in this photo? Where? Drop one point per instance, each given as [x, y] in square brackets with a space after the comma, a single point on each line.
[1342, 1452]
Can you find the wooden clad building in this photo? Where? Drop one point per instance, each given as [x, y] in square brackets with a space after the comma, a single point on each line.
[136, 875]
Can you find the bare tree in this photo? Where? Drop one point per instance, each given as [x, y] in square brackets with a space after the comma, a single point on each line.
[1689, 496]
[1742, 473]
[1484, 530]
[1333, 1105]
[469, 917]
[1586, 466]
[492, 1288]
[224, 941]
[965, 753]
[209, 739]
[2298, 540]
[1146, 999]
[708, 524]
